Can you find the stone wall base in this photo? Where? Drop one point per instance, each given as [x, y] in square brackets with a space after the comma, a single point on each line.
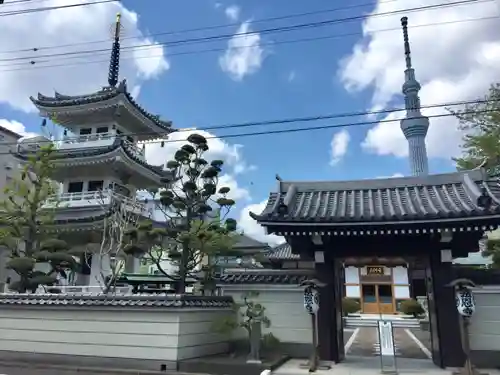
[83, 362]
[486, 358]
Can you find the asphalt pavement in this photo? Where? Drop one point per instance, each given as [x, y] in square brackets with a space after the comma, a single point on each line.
[7, 370]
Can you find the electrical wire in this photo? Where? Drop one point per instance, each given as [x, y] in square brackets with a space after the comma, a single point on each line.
[22, 66]
[206, 28]
[260, 32]
[296, 130]
[293, 120]
[45, 9]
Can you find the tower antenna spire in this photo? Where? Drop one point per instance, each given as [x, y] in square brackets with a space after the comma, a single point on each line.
[404, 24]
[414, 125]
[114, 62]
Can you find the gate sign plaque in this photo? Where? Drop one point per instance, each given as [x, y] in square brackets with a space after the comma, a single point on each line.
[375, 270]
[387, 347]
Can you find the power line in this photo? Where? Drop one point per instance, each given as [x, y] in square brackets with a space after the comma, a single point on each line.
[264, 31]
[294, 120]
[205, 28]
[21, 66]
[45, 9]
[296, 130]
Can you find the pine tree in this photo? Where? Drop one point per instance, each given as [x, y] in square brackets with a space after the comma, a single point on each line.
[189, 240]
[25, 217]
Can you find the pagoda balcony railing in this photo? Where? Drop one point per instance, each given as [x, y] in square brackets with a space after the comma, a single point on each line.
[98, 140]
[95, 198]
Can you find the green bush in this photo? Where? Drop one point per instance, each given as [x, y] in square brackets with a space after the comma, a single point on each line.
[412, 307]
[350, 306]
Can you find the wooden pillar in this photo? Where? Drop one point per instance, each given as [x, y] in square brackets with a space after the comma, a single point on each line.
[446, 347]
[330, 329]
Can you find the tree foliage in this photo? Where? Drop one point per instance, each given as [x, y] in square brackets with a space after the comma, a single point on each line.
[492, 250]
[197, 230]
[24, 220]
[480, 123]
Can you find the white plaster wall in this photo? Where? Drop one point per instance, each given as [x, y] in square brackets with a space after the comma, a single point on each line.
[400, 275]
[351, 275]
[485, 323]
[284, 305]
[143, 333]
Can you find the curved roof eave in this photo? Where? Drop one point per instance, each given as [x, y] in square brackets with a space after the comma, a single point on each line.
[105, 94]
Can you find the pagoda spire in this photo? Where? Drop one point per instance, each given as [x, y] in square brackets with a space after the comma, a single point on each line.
[414, 125]
[114, 63]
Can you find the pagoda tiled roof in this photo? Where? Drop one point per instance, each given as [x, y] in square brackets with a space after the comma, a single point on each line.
[107, 93]
[89, 152]
[378, 201]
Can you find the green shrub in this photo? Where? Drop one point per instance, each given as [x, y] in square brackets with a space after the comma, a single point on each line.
[412, 307]
[350, 306]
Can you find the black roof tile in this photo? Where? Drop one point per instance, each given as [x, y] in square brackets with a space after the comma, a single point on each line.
[425, 198]
[265, 277]
[282, 252]
[107, 93]
[89, 152]
[176, 301]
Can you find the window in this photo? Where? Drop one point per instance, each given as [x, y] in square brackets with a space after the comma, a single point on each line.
[95, 185]
[102, 129]
[85, 131]
[75, 187]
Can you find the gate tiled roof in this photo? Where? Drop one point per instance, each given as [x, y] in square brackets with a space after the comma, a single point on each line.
[426, 198]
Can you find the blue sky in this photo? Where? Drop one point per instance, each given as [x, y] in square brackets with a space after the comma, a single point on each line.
[292, 80]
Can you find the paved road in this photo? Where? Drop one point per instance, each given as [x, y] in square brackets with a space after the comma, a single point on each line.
[26, 371]
[366, 343]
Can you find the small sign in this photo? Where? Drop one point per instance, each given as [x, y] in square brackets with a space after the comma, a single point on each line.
[374, 270]
[386, 338]
[387, 348]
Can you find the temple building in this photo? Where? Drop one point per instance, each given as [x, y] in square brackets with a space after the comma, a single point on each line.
[99, 163]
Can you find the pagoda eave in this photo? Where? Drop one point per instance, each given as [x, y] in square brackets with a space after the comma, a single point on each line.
[104, 106]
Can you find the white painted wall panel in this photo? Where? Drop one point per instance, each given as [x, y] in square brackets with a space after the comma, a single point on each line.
[284, 307]
[351, 275]
[400, 275]
[485, 323]
[155, 334]
[401, 291]
[353, 291]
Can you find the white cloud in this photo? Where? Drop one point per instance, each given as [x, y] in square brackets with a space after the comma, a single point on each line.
[233, 13]
[252, 229]
[447, 71]
[291, 76]
[339, 145]
[234, 162]
[244, 54]
[70, 27]
[16, 127]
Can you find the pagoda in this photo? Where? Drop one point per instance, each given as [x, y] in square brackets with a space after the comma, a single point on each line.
[99, 161]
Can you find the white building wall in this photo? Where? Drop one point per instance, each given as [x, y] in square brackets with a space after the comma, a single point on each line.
[290, 323]
[485, 323]
[159, 334]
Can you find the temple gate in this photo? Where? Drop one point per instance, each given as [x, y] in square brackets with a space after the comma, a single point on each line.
[427, 220]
